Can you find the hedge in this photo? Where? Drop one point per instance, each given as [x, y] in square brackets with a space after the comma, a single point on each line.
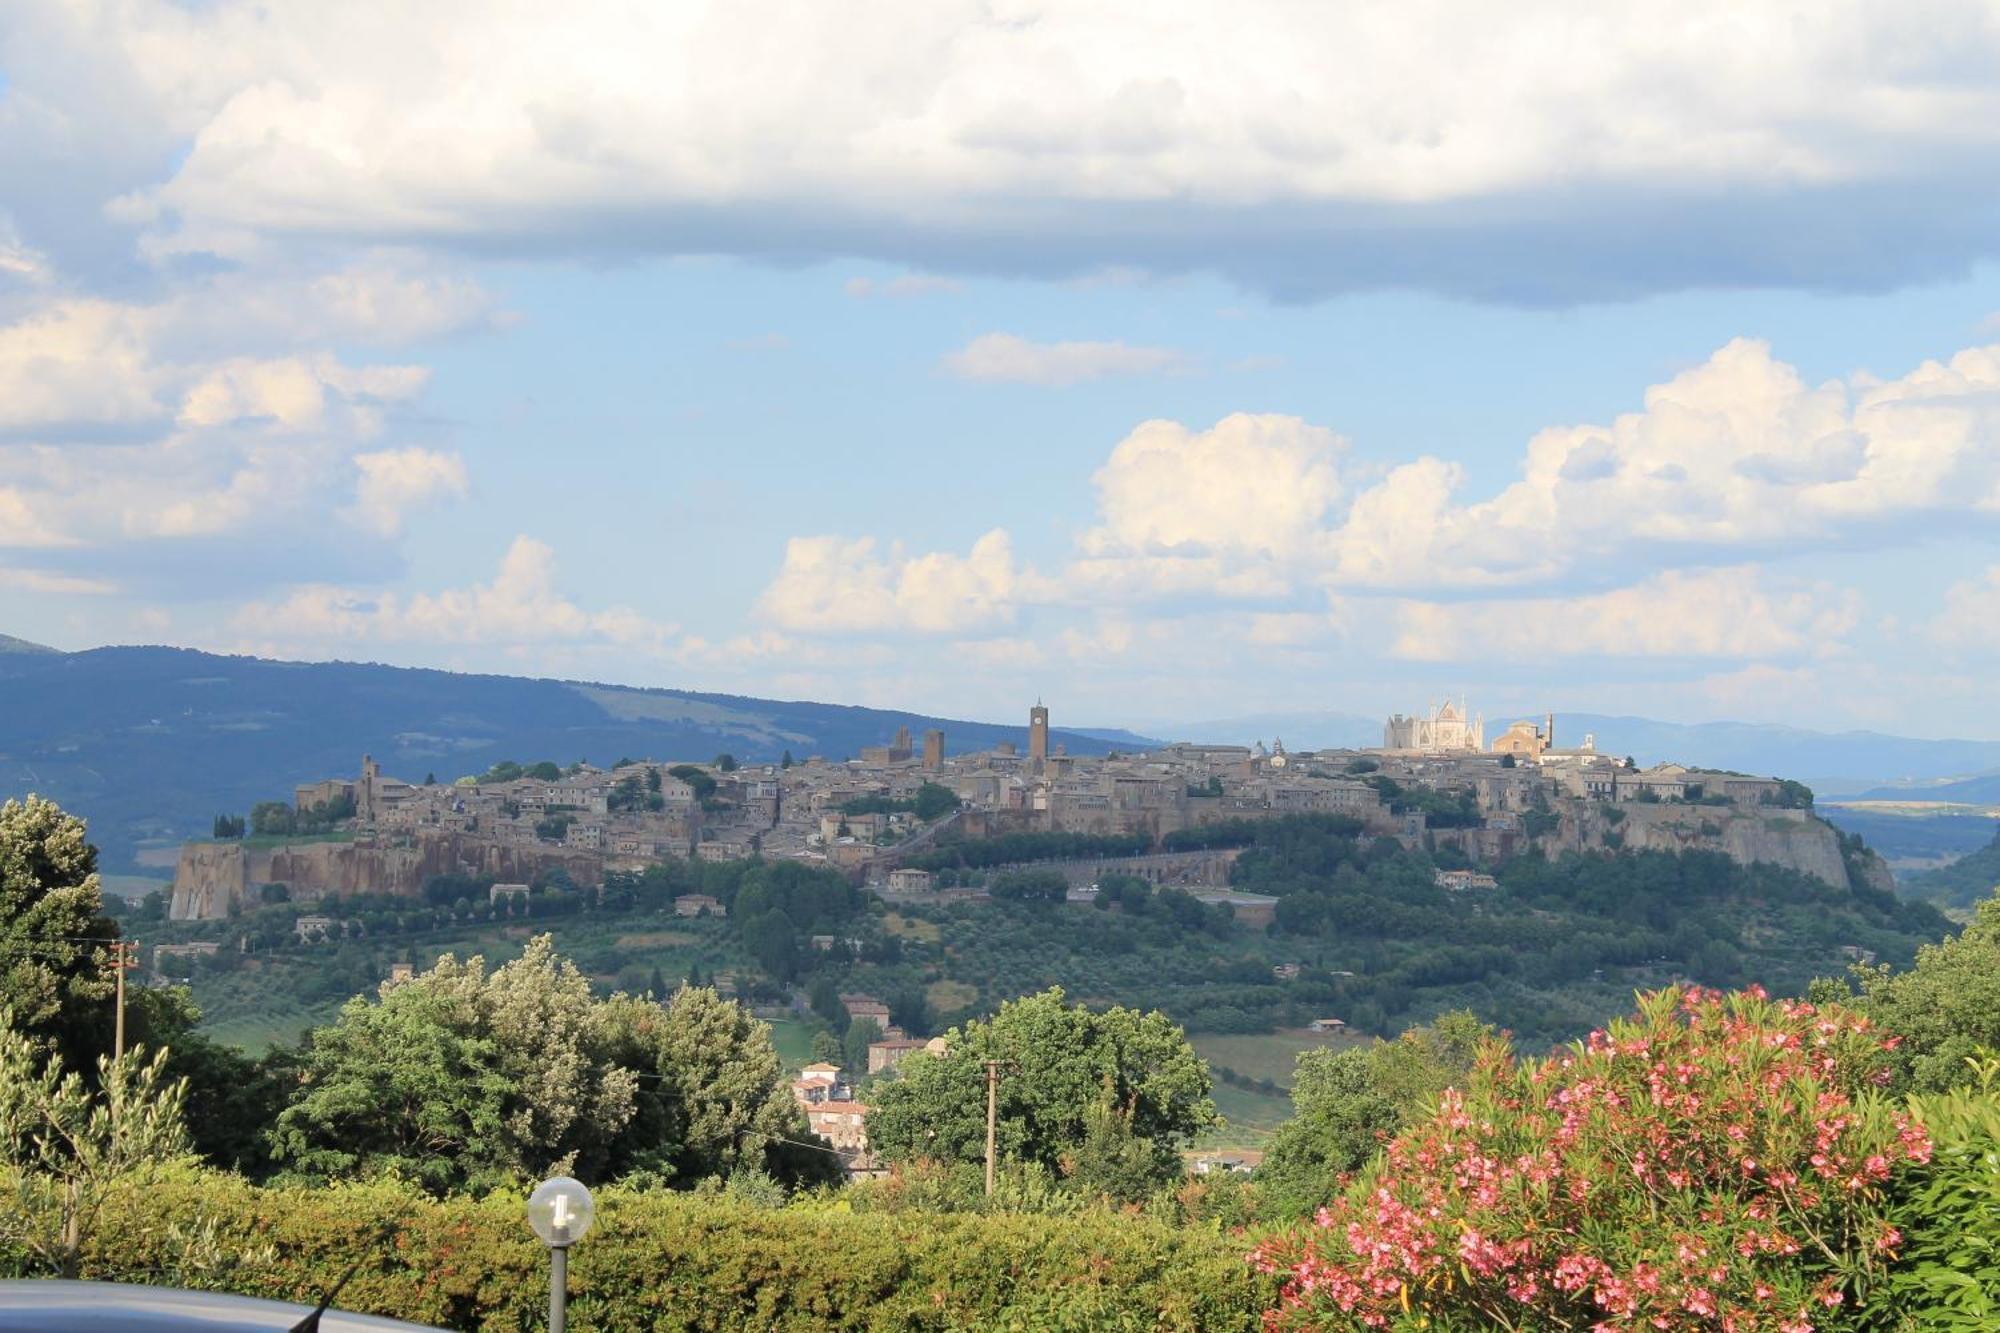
[665, 1260]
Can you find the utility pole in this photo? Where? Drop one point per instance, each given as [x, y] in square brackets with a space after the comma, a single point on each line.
[124, 957]
[992, 1106]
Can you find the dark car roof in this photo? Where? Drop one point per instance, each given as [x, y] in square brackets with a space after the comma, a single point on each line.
[94, 1307]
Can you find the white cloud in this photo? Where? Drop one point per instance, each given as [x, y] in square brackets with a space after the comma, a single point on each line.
[1720, 613]
[1971, 616]
[1735, 460]
[79, 363]
[1238, 509]
[19, 262]
[837, 585]
[137, 422]
[1737, 455]
[54, 585]
[395, 481]
[1010, 359]
[1517, 151]
[520, 606]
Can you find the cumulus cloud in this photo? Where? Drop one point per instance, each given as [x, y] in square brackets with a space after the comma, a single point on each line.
[839, 585]
[522, 605]
[1735, 460]
[395, 481]
[1238, 509]
[1733, 456]
[1303, 151]
[79, 363]
[124, 423]
[1971, 616]
[1720, 613]
[1010, 359]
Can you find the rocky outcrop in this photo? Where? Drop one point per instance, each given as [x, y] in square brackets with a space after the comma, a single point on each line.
[210, 878]
[1793, 839]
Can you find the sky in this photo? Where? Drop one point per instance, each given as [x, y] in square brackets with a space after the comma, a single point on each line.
[1164, 361]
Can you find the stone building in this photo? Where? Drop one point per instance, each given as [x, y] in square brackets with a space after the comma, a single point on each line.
[1446, 729]
[1525, 740]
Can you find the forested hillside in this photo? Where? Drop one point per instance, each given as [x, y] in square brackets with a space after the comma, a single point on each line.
[1966, 881]
[1362, 923]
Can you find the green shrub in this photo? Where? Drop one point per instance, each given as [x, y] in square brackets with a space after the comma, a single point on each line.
[1948, 1276]
[665, 1260]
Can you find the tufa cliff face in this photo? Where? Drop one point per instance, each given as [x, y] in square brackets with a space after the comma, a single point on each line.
[210, 878]
[1793, 839]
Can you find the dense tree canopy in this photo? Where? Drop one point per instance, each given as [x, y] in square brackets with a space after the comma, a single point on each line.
[1347, 1102]
[1069, 1076]
[463, 1079]
[1946, 1008]
[53, 932]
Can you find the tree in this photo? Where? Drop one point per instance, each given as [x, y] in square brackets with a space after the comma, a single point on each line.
[854, 1046]
[702, 783]
[65, 1146]
[460, 1079]
[53, 932]
[1346, 1103]
[772, 940]
[1061, 1064]
[824, 998]
[715, 1099]
[826, 1048]
[273, 819]
[787, 761]
[1029, 886]
[1946, 1009]
[933, 801]
[228, 826]
[725, 763]
[231, 1098]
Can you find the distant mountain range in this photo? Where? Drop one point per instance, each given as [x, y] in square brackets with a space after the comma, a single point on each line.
[1981, 790]
[1833, 763]
[150, 744]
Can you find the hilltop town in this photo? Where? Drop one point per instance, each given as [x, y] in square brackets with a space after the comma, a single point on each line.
[1435, 781]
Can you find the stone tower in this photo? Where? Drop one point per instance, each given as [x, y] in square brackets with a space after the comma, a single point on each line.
[364, 795]
[934, 748]
[1038, 735]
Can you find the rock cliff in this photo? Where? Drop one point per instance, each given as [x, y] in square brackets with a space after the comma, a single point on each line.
[210, 878]
[1793, 839]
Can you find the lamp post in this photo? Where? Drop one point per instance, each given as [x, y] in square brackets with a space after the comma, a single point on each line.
[560, 1211]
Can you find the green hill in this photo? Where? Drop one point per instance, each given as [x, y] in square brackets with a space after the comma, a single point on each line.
[1963, 882]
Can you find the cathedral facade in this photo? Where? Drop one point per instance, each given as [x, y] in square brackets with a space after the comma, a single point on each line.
[1446, 729]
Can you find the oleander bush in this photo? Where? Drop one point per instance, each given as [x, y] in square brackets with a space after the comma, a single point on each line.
[668, 1260]
[1715, 1161]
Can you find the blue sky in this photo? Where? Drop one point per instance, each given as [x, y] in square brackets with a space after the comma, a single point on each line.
[812, 350]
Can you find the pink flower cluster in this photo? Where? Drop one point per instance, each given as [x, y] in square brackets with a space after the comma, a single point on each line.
[1715, 1161]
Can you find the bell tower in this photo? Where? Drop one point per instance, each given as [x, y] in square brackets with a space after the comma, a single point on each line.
[1038, 736]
